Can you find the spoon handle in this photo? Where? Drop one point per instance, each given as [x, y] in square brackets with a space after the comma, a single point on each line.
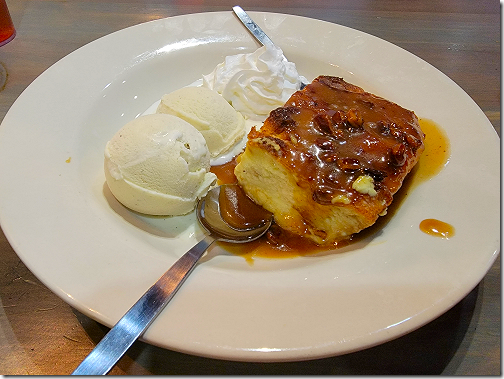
[119, 339]
[256, 31]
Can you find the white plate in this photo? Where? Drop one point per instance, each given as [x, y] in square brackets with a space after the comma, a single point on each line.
[63, 223]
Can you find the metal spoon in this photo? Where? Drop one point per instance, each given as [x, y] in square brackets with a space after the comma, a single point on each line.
[131, 326]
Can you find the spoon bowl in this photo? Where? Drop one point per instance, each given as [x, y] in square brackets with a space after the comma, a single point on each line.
[221, 225]
[225, 218]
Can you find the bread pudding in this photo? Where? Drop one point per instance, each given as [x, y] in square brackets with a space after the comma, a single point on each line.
[328, 162]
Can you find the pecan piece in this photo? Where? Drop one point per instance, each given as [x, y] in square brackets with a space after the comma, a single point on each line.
[322, 124]
[398, 154]
[323, 194]
[413, 141]
[348, 164]
[354, 118]
[377, 175]
[324, 143]
[339, 118]
[282, 118]
[328, 156]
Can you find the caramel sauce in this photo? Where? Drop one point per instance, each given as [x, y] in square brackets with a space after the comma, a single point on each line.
[281, 245]
[292, 246]
[436, 154]
[437, 228]
[239, 211]
[332, 132]
[225, 172]
[261, 248]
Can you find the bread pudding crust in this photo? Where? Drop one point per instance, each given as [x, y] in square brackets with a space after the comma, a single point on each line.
[328, 162]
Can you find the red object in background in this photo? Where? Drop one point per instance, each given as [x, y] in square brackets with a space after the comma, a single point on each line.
[7, 31]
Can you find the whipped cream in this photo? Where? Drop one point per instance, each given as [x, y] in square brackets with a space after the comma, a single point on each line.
[255, 83]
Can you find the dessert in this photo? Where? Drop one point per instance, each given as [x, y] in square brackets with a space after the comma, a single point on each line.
[159, 165]
[329, 161]
[255, 83]
[210, 113]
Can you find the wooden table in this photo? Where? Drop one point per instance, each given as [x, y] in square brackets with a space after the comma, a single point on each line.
[40, 334]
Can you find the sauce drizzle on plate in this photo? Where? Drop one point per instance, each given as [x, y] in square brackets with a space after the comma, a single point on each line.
[437, 228]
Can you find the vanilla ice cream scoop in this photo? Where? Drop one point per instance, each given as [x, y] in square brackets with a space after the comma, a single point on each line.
[255, 83]
[207, 111]
[158, 164]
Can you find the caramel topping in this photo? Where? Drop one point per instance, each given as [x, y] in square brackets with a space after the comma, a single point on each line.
[332, 133]
[281, 244]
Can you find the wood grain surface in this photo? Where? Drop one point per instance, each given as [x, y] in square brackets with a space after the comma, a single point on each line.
[41, 334]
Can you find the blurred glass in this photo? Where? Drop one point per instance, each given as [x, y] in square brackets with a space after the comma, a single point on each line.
[7, 31]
